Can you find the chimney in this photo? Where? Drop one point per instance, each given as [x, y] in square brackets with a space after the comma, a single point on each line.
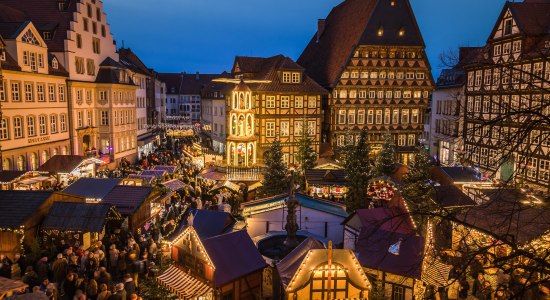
[320, 28]
[197, 76]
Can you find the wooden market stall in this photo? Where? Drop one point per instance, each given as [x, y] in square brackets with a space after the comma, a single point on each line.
[65, 167]
[8, 287]
[82, 223]
[92, 189]
[325, 183]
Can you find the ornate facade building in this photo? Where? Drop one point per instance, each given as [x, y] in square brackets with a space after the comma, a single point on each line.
[370, 55]
[33, 96]
[274, 99]
[506, 129]
[101, 93]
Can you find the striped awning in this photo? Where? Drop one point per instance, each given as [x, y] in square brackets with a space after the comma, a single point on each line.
[182, 284]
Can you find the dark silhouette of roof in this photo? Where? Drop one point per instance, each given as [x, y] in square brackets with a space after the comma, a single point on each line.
[18, 206]
[8, 176]
[288, 266]
[448, 196]
[96, 188]
[532, 17]
[71, 216]
[185, 84]
[129, 59]
[62, 164]
[127, 199]
[234, 255]
[326, 177]
[353, 23]
[384, 228]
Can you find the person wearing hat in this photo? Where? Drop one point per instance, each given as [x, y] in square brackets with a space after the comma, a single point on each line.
[59, 269]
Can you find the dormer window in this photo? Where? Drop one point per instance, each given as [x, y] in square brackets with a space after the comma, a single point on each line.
[55, 63]
[62, 5]
[291, 77]
[29, 38]
[47, 35]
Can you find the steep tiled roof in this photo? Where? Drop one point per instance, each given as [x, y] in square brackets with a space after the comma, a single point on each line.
[7, 176]
[268, 69]
[186, 84]
[10, 30]
[46, 16]
[353, 23]
[127, 199]
[9, 14]
[532, 17]
[71, 216]
[132, 61]
[18, 206]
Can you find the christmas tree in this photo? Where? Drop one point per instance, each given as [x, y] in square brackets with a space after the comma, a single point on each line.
[385, 162]
[418, 190]
[306, 155]
[355, 156]
[275, 180]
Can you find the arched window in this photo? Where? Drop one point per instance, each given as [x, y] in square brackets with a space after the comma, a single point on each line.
[21, 163]
[250, 154]
[248, 101]
[233, 125]
[29, 38]
[45, 156]
[231, 153]
[65, 150]
[6, 164]
[34, 161]
[241, 125]
[249, 126]
[54, 151]
[234, 104]
[241, 101]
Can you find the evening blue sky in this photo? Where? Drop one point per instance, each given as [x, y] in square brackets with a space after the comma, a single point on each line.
[205, 35]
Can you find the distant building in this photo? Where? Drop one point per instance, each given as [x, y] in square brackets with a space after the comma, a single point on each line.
[183, 94]
[159, 115]
[213, 113]
[370, 56]
[33, 95]
[506, 130]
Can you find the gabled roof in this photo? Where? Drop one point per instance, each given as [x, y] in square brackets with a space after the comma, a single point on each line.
[9, 176]
[129, 59]
[62, 163]
[278, 202]
[504, 215]
[448, 196]
[70, 216]
[10, 30]
[18, 206]
[47, 16]
[387, 243]
[207, 223]
[186, 84]
[326, 177]
[268, 69]
[234, 255]
[288, 266]
[451, 175]
[95, 188]
[532, 17]
[127, 199]
[353, 23]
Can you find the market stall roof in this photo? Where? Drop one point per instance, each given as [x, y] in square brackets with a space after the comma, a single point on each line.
[175, 185]
[127, 199]
[322, 205]
[183, 284]
[277, 202]
[169, 169]
[452, 175]
[155, 173]
[207, 223]
[145, 178]
[508, 213]
[32, 296]
[71, 216]
[96, 188]
[318, 258]
[18, 206]
[288, 266]
[326, 177]
[65, 163]
[11, 176]
[226, 184]
[26, 181]
[387, 242]
[448, 196]
[8, 285]
[213, 175]
[40, 178]
[234, 255]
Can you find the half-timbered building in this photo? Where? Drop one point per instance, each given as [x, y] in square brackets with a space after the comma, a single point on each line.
[506, 131]
[370, 56]
[274, 100]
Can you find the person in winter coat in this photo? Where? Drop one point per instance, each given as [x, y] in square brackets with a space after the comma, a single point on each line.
[129, 284]
[5, 266]
[92, 290]
[42, 269]
[68, 287]
[59, 269]
[104, 293]
[30, 278]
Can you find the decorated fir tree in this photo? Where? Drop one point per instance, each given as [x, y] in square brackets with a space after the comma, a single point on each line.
[385, 162]
[306, 155]
[417, 189]
[276, 173]
[355, 156]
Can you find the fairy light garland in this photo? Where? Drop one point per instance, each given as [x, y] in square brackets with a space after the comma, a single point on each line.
[20, 231]
[190, 231]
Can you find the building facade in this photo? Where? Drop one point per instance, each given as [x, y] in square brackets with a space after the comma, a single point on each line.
[275, 100]
[371, 56]
[78, 36]
[506, 130]
[33, 99]
[445, 127]
[213, 114]
[183, 95]
[159, 115]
